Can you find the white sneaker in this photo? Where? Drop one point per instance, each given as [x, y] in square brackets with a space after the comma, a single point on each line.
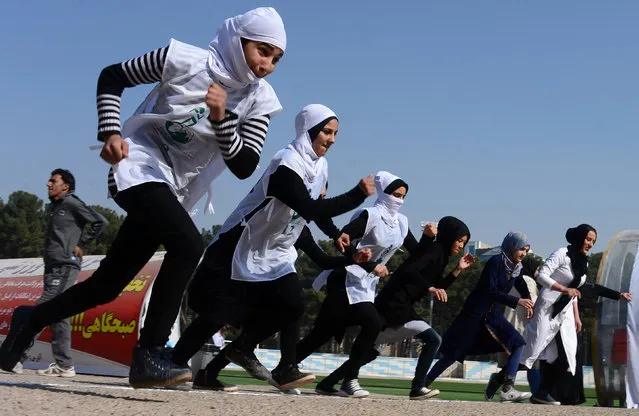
[18, 368]
[55, 370]
[351, 388]
[512, 395]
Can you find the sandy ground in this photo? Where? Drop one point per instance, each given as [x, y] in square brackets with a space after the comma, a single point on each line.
[30, 394]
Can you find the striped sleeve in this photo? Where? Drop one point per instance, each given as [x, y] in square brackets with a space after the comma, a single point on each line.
[241, 143]
[145, 69]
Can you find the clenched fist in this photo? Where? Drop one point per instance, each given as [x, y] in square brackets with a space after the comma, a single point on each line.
[216, 102]
[367, 185]
[115, 149]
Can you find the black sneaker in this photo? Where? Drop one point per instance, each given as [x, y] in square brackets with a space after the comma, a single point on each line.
[248, 361]
[422, 393]
[19, 339]
[290, 377]
[543, 397]
[202, 382]
[326, 389]
[150, 367]
[351, 388]
[494, 383]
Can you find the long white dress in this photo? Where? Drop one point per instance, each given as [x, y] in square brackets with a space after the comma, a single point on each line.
[542, 328]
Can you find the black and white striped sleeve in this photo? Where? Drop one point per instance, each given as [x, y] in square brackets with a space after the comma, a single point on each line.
[241, 143]
[145, 69]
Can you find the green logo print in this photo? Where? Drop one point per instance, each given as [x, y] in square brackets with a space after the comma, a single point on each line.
[179, 130]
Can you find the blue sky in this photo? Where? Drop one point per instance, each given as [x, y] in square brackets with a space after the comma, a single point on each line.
[508, 115]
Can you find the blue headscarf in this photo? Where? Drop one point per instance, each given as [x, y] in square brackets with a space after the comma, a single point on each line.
[513, 241]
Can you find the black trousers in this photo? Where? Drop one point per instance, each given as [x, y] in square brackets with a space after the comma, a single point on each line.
[334, 317]
[274, 306]
[559, 382]
[154, 217]
[213, 296]
[259, 308]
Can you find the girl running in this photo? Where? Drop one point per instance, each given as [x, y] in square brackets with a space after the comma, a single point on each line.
[418, 276]
[351, 290]
[551, 334]
[481, 328]
[210, 110]
[248, 271]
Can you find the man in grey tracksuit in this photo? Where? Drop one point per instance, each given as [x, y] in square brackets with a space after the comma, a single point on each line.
[66, 238]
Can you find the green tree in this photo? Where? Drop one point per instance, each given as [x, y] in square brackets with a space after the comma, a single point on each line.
[208, 235]
[22, 226]
[445, 313]
[593, 266]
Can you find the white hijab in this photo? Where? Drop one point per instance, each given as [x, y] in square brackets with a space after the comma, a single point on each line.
[309, 117]
[226, 56]
[388, 205]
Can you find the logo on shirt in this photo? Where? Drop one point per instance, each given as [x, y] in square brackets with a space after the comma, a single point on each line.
[179, 130]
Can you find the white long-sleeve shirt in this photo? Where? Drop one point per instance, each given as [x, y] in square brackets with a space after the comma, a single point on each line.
[557, 268]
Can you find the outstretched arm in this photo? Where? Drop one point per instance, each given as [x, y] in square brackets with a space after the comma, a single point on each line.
[288, 187]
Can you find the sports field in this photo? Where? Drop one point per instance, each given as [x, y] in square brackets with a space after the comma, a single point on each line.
[30, 394]
[450, 390]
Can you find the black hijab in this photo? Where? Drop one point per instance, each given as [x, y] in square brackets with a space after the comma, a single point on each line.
[393, 186]
[314, 131]
[579, 261]
[449, 230]
[576, 237]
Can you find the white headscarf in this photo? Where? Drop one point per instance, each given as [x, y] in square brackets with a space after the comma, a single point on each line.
[309, 117]
[226, 56]
[388, 205]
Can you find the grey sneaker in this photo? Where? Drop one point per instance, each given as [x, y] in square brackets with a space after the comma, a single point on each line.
[494, 383]
[351, 388]
[54, 370]
[542, 397]
[289, 377]
[248, 361]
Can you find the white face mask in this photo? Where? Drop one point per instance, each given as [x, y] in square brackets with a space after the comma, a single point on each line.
[389, 205]
[392, 203]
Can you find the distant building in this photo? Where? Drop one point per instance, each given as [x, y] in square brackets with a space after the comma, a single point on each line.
[474, 246]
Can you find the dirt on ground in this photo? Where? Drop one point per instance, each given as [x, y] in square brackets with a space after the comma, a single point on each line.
[31, 394]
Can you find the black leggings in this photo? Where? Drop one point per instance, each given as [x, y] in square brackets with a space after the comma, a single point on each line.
[275, 305]
[260, 308]
[154, 217]
[335, 316]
